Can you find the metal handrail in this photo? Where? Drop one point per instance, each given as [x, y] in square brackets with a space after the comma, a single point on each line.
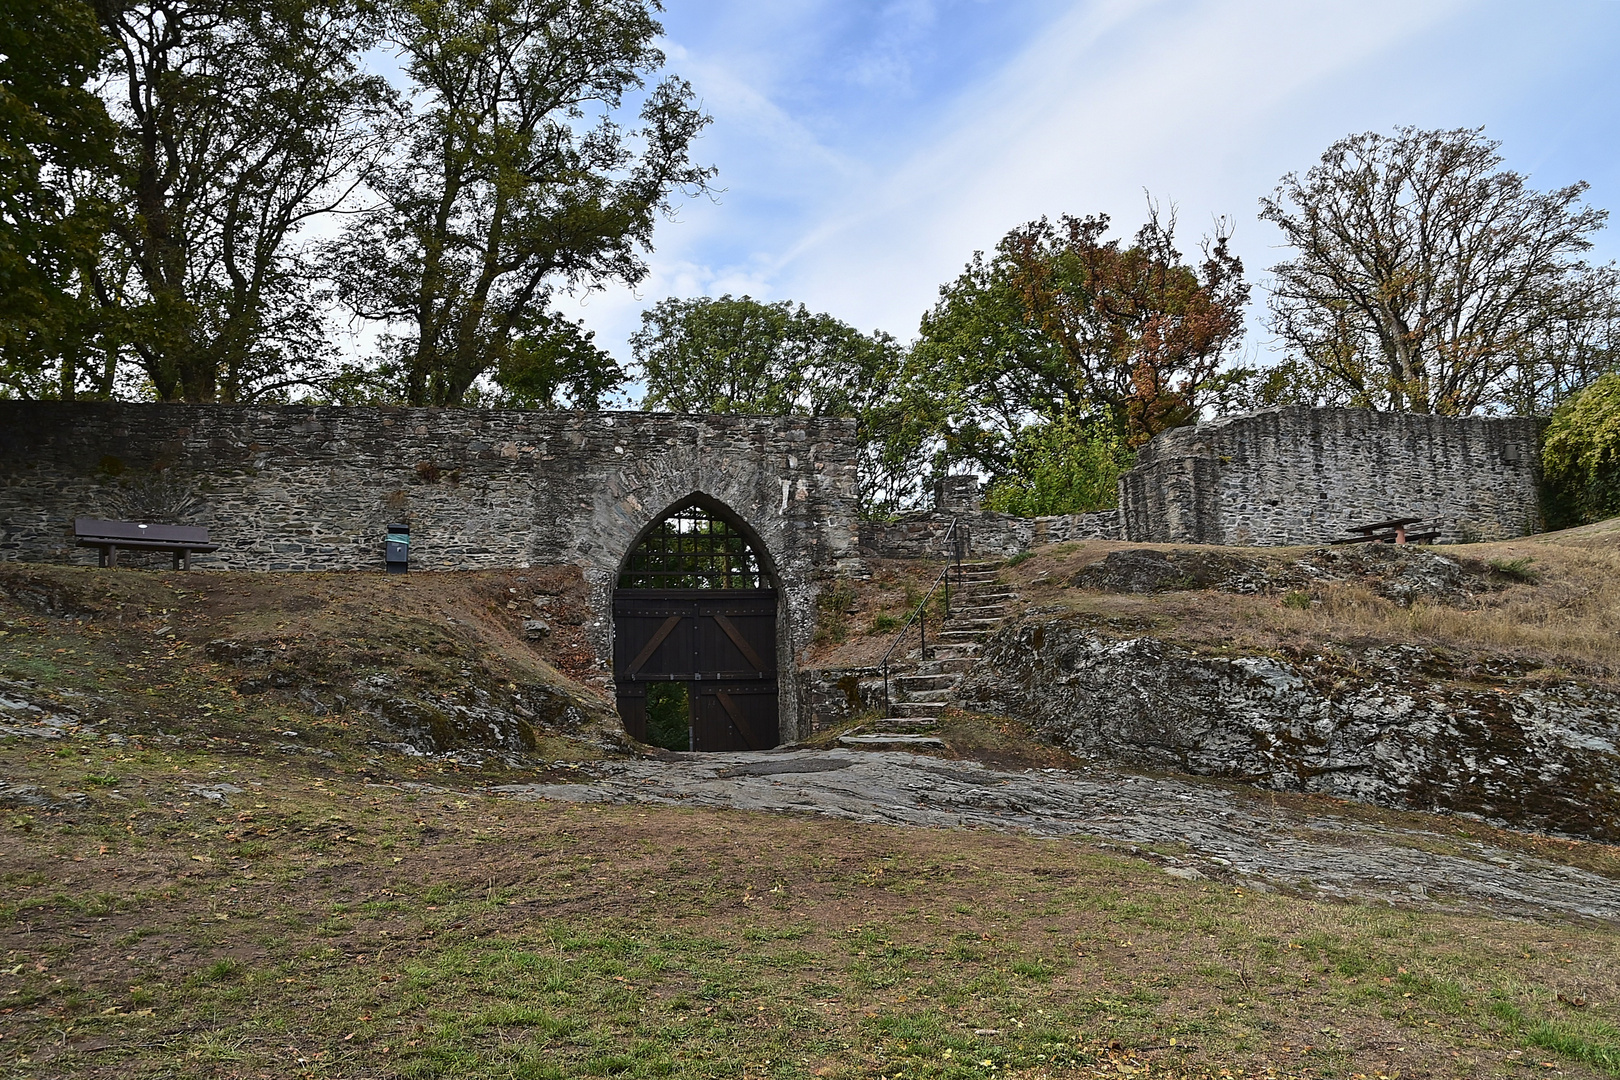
[953, 548]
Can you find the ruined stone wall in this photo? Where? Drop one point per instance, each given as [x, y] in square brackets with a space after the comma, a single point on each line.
[988, 535]
[1306, 476]
[314, 488]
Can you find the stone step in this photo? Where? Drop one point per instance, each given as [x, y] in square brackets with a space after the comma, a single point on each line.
[926, 681]
[886, 740]
[954, 650]
[978, 611]
[901, 723]
[928, 710]
[959, 637]
[929, 697]
[954, 665]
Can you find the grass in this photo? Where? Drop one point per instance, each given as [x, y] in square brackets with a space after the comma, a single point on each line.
[357, 913]
[1556, 607]
[547, 939]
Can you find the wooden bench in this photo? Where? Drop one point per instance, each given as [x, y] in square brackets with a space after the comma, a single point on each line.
[1393, 531]
[114, 536]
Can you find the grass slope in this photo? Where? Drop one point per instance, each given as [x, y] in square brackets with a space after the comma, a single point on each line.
[207, 896]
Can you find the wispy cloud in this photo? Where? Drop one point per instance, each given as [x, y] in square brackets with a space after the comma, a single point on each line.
[867, 149]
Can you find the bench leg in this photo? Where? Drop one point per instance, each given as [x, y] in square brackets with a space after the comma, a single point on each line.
[112, 555]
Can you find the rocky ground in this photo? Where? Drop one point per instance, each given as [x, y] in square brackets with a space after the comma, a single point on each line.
[1193, 830]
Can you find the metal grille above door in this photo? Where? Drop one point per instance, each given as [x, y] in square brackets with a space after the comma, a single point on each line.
[690, 608]
[692, 549]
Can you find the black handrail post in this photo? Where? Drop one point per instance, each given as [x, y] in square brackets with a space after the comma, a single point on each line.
[919, 614]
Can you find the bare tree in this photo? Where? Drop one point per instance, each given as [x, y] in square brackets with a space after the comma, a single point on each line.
[1425, 272]
[238, 122]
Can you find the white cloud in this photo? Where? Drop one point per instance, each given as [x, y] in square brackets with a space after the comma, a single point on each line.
[859, 177]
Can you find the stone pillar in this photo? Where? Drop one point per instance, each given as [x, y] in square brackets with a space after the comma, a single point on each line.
[958, 494]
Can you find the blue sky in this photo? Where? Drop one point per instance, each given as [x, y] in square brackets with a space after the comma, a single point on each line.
[866, 149]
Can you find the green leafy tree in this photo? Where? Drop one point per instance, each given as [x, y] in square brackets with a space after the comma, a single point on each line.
[238, 123]
[1428, 278]
[740, 355]
[515, 179]
[1061, 466]
[556, 364]
[55, 138]
[1581, 456]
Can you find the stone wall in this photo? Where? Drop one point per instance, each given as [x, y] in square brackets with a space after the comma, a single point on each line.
[987, 535]
[314, 488]
[1306, 476]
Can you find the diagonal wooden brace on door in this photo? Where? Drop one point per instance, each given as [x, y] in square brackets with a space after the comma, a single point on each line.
[742, 645]
[737, 719]
[652, 646]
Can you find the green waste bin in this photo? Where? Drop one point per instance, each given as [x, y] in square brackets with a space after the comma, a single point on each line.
[397, 548]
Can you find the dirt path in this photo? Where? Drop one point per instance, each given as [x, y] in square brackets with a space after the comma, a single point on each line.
[1213, 831]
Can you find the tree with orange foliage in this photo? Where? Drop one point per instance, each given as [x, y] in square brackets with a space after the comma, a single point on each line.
[1063, 323]
[1140, 333]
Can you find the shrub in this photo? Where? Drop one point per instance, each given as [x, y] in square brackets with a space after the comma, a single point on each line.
[1064, 466]
[1581, 457]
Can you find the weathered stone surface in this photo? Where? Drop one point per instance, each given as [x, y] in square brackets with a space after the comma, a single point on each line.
[315, 488]
[1223, 833]
[1398, 726]
[832, 696]
[1402, 573]
[922, 535]
[1307, 476]
[1149, 570]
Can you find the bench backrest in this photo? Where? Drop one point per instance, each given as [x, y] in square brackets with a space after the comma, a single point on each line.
[99, 529]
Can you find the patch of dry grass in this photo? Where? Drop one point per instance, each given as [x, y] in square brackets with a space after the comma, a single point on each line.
[1566, 621]
[322, 927]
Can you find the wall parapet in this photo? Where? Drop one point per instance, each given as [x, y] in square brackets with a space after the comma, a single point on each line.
[1307, 476]
[921, 535]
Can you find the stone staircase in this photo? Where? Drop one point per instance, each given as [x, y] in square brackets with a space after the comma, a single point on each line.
[918, 697]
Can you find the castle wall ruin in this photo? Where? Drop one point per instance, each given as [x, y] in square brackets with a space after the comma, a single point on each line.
[1307, 476]
[315, 488]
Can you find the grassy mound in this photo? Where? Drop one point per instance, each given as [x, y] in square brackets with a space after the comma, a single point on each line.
[216, 863]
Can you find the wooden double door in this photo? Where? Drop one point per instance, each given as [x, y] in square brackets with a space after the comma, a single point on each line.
[720, 642]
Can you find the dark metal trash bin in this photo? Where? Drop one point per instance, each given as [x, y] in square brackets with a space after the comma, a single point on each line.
[397, 548]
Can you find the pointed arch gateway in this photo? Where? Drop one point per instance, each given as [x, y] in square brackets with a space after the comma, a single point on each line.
[694, 619]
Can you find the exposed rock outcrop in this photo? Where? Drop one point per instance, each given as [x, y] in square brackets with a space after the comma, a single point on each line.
[1404, 574]
[1400, 726]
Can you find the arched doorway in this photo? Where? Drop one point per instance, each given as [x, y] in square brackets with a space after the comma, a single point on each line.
[694, 619]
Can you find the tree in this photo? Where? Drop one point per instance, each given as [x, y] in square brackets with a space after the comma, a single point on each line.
[1063, 325]
[1427, 278]
[1581, 456]
[1061, 466]
[556, 362]
[739, 355]
[239, 122]
[54, 133]
[514, 180]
